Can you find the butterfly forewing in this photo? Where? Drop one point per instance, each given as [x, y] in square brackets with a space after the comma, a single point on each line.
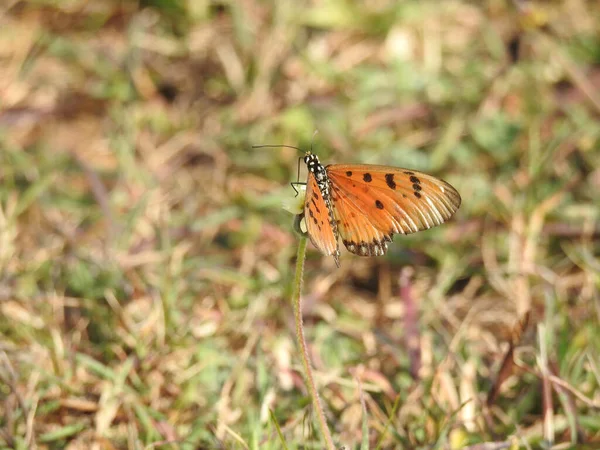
[316, 214]
[372, 203]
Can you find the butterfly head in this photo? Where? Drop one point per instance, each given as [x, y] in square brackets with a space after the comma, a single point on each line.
[310, 159]
[314, 166]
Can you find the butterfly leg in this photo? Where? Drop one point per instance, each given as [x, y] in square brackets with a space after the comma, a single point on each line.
[297, 183]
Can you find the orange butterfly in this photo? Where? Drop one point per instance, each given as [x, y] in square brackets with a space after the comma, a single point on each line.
[367, 204]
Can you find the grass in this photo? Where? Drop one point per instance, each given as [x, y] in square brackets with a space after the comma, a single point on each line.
[146, 263]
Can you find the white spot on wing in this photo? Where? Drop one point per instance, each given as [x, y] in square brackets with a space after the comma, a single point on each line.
[435, 211]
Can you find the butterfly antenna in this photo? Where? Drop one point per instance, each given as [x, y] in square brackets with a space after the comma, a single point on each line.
[276, 146]
[287, 146]
[312, 140]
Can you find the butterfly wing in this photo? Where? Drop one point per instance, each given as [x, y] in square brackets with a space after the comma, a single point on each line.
[358, 231]
[316, 214]
[372, 203]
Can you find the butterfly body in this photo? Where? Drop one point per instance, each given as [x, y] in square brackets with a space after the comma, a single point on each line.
[319, 173]
[365, 205]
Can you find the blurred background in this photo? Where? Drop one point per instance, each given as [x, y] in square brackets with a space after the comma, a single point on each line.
[146, 260]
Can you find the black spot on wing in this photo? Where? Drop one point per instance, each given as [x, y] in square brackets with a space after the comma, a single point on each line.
[363, 248]
[378, 204]
[315, 205]
[367, 177]
[349, 173]
[416, 186]
[389, 179]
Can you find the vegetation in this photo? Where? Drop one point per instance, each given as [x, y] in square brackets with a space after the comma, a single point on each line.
[147, 264]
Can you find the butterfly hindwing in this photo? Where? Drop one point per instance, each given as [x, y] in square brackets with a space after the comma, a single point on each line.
[358, 231]
[316, 214]
[373, 202]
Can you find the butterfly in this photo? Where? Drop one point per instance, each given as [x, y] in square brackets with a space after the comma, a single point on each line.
[365, 205]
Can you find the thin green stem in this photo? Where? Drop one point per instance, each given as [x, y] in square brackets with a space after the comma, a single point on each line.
[310, 381]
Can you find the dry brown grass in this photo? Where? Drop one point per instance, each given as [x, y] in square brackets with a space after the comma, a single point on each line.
[145, 259]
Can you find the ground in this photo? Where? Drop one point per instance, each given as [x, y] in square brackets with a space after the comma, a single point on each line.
[146, 261]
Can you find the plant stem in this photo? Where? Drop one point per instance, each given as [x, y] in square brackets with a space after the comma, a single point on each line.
[310, 381]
